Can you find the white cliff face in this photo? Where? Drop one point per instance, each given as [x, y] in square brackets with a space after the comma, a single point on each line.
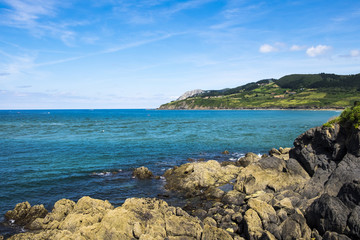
[190, 94]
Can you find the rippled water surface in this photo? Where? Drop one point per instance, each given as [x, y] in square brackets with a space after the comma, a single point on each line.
[46, 155]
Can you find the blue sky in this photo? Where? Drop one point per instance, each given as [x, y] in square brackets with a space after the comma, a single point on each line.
[142, 53]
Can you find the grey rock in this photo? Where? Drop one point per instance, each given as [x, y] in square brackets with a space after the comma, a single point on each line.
[188, 94]
[318, 146]
[335, 236]
[328, 213]
[354, 223]
[350, 194]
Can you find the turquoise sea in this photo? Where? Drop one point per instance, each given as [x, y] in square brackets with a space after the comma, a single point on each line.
[46, 155]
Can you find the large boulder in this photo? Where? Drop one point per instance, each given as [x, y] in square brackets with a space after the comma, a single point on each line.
[248, 159]
[272, 174]
[197, 176]
[328, 213]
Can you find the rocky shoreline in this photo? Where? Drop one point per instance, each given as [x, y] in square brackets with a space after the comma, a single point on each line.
[311, 191]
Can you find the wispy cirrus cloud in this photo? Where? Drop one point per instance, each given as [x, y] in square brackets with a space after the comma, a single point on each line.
[186, 5]
[297, 47]
[37, 16]
[113, 49]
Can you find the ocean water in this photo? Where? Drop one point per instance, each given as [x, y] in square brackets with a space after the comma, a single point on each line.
[47, 155]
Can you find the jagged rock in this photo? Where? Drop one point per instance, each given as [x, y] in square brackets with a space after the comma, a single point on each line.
[350, 194]
[192, 177]
[318, 147]
[248, 159]
[334, 236]
[271, 174]
[265, 211]
[347, 171]
[328, 213]
[282, 153]
[295, 227]
[253, 225]
[142, 173]
[23, 214]
[191, 93]
[354, 223]
[353, 141]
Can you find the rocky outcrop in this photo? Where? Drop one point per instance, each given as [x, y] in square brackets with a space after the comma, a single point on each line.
[193, 178]
[142, 173]
[330, 156]
[191, 93]
[272, 174]
[282, 153]
[137, 218]
[23, 213]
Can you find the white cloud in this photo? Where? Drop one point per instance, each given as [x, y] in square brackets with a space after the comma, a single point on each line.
[297, 48]
[355, 53]
[266, 48]
[318, 50]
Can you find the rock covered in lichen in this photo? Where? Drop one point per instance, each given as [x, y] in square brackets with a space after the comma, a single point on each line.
[137, 218]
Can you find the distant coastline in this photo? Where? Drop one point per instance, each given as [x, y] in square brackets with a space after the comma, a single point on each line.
[297, 91]
[272, 108]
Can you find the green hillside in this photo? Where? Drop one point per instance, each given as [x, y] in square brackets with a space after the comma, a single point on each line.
[297, 91]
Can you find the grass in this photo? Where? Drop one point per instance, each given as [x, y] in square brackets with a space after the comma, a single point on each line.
[350, 117]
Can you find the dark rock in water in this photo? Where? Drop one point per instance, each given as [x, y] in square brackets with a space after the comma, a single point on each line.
[226, 152]
[142, 173]
[23, 214]
[328, 213]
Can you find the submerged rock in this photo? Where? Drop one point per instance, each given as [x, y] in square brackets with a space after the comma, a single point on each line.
[142, 173]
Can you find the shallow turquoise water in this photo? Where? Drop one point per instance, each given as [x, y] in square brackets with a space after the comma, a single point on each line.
[54, 154]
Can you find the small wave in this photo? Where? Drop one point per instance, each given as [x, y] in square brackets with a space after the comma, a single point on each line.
[238, 155]
[105, 173]
[102, 174]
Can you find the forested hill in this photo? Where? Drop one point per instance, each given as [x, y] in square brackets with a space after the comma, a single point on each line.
[296, 91]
